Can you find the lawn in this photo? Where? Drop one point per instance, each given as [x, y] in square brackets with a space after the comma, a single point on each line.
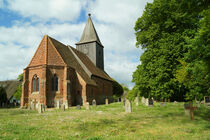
[106, 122]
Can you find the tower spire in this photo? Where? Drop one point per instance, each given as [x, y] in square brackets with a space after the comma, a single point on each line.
[89, 33]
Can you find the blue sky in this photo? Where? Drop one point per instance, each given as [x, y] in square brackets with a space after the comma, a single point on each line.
[23, 23]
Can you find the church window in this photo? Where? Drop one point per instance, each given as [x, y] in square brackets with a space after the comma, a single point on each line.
[35, 83]
[54, 83]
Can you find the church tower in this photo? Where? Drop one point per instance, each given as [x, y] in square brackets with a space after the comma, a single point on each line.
[90, 44]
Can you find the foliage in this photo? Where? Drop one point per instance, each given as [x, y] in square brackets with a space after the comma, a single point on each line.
[117, 89]
[3, 95]
[162, 31]
[132, 93]
[18, 91]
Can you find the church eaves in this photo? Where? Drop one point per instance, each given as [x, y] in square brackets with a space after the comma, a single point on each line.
[89, 34]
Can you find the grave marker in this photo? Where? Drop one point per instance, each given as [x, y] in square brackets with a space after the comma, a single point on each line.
[137, 101]
[94, 102]
[128, 106]
[40, 108]
[63, 107]
[87, 106]
[207, 100]
[58, 104]
[78, 107]
[191, 110]
[107, 101]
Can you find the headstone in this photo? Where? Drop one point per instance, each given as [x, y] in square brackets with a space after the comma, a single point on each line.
[142, 100]
[58, 104]
[63, 107]
[175, 102]
[137, 101]
[78, 107]
[169, 100]
[128, 106]
[107, 101]
[207, 100]
[87, 106]
[124, 102]
[162, 103]
[191, 109]
[150, 102]
[40, 108]
[94, 102]
[146, 101]
[66, 104]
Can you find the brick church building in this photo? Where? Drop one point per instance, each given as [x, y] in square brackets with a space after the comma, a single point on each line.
[61, 73]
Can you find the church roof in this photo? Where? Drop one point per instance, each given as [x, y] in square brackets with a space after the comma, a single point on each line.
[79, 61]
[89, 34]
[10, 86]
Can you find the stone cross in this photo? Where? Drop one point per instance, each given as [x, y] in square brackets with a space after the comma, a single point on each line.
[191, 108]
[94, 102]
[107, 101]
[128, 106]
[87, 106]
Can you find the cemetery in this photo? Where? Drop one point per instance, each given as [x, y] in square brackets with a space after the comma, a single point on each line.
[131, 120]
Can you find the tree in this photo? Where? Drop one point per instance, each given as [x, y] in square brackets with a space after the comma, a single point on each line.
[161, 32]
[197, 71]
[18, 91]
[3, 95]
[117, 89]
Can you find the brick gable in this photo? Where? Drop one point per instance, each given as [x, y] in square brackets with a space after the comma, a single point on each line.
[46, 54]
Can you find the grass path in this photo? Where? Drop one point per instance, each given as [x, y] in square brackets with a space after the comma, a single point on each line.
[106, 123]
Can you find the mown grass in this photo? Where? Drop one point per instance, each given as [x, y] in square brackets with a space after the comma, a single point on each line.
[106, 122]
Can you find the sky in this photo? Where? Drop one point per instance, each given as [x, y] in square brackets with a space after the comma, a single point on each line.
[23, 23]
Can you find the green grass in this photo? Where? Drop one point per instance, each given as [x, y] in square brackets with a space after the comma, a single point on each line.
[106, 122]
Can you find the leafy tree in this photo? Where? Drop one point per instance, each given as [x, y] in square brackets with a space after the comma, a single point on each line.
[117, 89]
[197, 70]
[18, 91]
[3, 95]
[162, 31]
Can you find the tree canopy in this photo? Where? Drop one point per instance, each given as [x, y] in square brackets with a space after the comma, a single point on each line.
[165, 32]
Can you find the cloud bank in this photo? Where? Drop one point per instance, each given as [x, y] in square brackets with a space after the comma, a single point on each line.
[64, 20]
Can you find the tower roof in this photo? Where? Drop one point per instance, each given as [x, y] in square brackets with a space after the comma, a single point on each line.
[89, 34]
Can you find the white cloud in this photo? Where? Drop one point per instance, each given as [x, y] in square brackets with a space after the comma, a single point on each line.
[114, 22]
[63, 10]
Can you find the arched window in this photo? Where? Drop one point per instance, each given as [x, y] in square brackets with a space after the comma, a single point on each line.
[35, 83]
[54, 83]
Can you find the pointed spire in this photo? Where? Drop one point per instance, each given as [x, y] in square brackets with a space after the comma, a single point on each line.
[89, 34]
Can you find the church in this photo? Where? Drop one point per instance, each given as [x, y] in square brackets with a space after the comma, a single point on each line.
[61, 73]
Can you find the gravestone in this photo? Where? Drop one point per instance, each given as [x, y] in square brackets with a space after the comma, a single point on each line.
[107, 101]
[66, 104]
[150, 102]
[32, 106]
[142, 100]
[87, 106]
[207, 100]
[137, 101]
[162, 103]
[186, 111]
[191, 110]
[128, 106]
[124, 102]
[78, 107]
[146, 101]
[94, 102]
[58, 104]
[63, 107]
[175, 102]
[40, 108]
